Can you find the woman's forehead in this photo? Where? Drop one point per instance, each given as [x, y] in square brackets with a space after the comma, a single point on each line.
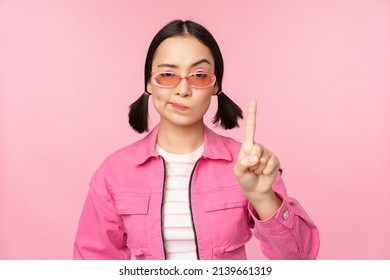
[183, 51]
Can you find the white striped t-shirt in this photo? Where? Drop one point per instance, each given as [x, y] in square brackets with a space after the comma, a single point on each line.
[178, 231]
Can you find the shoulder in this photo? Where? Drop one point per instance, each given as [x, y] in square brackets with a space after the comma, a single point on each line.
[135, 153]
[122, 158]
[215, 138]
[220, 147]
[230, 143]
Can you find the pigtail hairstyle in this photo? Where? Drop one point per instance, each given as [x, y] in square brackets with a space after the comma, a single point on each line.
[228, 112]
[138, 114]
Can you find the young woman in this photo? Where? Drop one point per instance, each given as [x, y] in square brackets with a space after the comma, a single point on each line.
[183, 191]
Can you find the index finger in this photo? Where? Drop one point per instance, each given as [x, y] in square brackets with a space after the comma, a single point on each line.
[250, 126]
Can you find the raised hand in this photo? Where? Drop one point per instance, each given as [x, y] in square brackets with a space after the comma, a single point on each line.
[257, 167]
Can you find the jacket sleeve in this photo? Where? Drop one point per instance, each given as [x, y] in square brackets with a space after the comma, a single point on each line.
[289, 233]
[100, 233]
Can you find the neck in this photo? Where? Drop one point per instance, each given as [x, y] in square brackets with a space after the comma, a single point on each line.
[180, 139]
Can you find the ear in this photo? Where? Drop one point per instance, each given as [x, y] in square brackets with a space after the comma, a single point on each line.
[149, 87]
[215, 89]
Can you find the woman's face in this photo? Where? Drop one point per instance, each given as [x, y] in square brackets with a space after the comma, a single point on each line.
[182, 105]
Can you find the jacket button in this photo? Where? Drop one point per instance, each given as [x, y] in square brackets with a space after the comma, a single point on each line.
[286, 215]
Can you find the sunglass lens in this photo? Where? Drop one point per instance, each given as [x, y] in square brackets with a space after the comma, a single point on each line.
[167, 79]
[201, 79]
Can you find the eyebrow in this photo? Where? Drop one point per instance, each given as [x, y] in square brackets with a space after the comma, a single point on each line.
[192, 65]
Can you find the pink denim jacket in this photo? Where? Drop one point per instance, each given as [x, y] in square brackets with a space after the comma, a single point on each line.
[122, 212]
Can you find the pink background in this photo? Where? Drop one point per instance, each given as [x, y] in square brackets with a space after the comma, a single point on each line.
[319, 70]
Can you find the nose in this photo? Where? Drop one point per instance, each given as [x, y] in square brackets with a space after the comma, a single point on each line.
[183, 89]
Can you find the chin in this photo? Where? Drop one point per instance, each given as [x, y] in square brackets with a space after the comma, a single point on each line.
[186, 123]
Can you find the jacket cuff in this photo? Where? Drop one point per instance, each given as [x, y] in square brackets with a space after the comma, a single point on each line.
[283, 217]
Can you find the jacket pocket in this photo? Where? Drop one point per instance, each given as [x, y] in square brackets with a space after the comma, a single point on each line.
[226, 212]
[128, 203]
[134, 209]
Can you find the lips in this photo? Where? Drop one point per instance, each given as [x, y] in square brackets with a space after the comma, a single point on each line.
[179, 106]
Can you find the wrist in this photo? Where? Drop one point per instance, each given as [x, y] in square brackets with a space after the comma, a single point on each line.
[256, 196]
[265, 204]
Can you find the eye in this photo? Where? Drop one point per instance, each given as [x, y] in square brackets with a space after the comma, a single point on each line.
[200, 75]
[167, 74]
[166, 79]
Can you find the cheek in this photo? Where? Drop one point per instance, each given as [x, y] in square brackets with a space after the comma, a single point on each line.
[205, 104]
[157, 101]
[159, 94]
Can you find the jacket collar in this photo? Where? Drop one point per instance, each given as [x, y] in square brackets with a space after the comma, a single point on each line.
[214, 146]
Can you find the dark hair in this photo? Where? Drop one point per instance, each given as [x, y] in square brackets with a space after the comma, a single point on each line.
[228, 112]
